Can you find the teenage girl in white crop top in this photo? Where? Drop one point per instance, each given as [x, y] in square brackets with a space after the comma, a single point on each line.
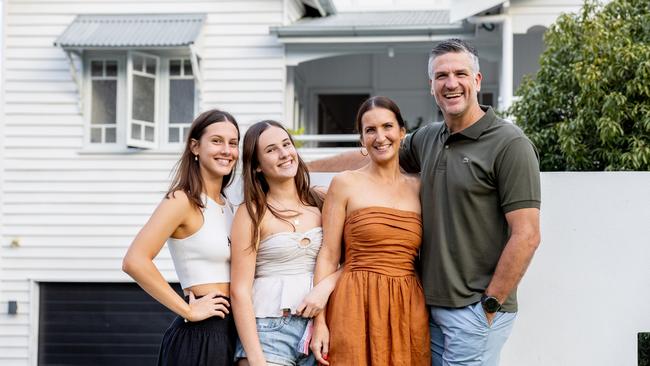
[276, 236]
[194, 218]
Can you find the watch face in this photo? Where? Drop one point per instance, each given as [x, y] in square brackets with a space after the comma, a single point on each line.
[491, 304]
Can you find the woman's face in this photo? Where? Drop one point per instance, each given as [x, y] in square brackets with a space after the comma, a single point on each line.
[381, 134]
[218, 149]
[278, 158]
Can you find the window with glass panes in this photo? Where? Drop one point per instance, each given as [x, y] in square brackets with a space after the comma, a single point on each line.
[143, 98]
[103, 104]
[139, 99]
[181, 99]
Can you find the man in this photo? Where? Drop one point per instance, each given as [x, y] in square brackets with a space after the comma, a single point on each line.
[480, 196]
[480, 212]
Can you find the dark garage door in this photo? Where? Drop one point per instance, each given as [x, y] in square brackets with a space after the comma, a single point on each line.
[99, 324]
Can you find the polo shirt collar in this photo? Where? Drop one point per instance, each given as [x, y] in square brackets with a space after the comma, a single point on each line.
[475, 130]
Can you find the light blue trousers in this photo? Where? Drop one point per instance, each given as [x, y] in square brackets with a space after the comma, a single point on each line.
[462, 337]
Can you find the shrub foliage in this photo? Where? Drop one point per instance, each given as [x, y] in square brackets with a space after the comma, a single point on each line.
[588, 107]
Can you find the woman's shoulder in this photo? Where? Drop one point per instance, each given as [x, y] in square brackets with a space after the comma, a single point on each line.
[178, 199]
[412, 181]
[345, 181]
[176, 204]
[350, 176]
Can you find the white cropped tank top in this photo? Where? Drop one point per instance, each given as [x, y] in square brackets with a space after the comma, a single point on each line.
[204, 257]
[284, 271]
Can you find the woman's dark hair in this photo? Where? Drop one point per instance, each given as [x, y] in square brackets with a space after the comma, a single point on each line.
[188, 173]
[256, 187]
[378, 102]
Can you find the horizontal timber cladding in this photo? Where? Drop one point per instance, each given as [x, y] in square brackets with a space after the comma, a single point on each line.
[72, 209]
[99, 324]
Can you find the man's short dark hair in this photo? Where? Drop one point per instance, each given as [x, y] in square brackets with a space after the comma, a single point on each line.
[453, 45]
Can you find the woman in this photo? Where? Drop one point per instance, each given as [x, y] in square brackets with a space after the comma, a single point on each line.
[276, 237]
[377, 314]
[194, 218]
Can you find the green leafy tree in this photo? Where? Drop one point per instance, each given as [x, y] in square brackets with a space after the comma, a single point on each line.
[588, 107]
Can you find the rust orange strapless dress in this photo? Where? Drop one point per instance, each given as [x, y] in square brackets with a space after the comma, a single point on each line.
[377, 314]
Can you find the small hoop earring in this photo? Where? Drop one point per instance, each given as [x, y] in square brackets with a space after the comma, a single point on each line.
[196, 158]
[361, 151]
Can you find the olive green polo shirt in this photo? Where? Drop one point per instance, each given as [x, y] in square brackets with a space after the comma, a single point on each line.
[470, 180]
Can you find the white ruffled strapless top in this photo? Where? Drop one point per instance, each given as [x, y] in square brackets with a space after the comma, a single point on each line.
[284, 271]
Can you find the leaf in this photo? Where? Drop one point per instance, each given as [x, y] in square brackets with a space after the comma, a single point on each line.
[588, 106]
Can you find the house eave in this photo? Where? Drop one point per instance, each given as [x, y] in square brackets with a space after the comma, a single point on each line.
[368, 34]
[81, 48]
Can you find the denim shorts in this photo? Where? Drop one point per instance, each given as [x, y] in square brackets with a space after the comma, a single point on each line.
[279, 338]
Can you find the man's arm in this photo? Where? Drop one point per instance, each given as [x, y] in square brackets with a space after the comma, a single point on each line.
[350, 160]
[517, 254]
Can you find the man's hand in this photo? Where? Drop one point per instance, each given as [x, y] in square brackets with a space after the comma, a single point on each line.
[489, 317]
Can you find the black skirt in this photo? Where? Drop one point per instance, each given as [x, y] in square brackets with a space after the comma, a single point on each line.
[208, 342]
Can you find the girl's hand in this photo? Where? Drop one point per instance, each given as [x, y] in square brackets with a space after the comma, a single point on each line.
[212, 304]
[320, 342]
[314, 303]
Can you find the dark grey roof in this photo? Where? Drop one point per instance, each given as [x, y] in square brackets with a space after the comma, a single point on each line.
[370, 23]
[90, 31]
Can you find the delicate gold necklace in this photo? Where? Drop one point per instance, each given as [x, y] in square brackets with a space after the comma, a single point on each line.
[295, 220]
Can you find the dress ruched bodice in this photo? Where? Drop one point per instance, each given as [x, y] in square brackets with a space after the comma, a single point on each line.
[382, 240]
[377, 315]
[284, 271]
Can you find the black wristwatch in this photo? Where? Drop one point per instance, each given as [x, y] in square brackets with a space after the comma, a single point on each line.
[490, 304]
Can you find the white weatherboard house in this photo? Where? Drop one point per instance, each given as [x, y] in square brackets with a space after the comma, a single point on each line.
[96, 96]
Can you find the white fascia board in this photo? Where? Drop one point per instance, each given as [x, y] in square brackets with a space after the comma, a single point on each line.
[462, 9]
[369, 39]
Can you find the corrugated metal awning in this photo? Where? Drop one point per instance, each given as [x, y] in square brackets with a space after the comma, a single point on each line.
[161, 30]
[370, 23]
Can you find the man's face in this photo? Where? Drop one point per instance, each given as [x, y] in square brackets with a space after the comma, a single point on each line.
[455, 84]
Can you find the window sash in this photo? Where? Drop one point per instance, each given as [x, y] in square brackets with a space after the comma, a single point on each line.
[179, 68]
[143, 70]
[102, 129]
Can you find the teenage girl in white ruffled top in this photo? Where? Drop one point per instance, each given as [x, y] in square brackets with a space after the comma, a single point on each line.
[276, 236]
[194, 218]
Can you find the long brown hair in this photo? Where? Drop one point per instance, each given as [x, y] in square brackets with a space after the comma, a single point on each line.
[256, 187]
[188, 173]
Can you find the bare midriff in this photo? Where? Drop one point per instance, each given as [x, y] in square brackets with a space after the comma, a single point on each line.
[203, 289]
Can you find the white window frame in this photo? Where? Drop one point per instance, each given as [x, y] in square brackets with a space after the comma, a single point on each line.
[120, 141]
[155, 124]
[124, 100]
[164, 99]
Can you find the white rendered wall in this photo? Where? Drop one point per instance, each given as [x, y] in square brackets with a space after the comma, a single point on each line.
[586, 294]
